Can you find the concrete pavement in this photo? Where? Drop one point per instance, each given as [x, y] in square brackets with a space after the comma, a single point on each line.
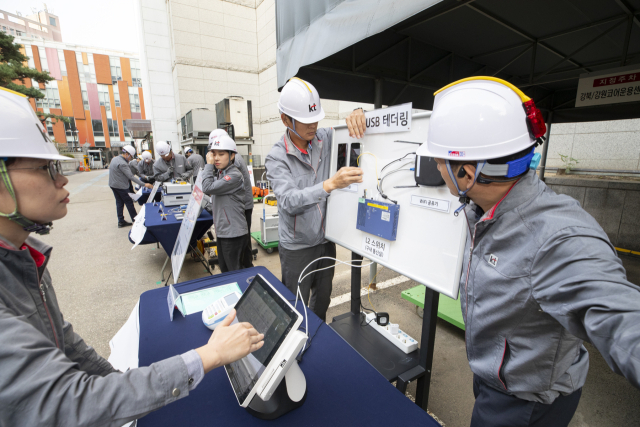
[98, 280]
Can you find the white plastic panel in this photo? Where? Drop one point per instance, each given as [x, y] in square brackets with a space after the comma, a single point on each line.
[429, 243]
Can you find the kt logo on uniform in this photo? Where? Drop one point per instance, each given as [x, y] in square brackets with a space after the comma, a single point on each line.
[312, 108]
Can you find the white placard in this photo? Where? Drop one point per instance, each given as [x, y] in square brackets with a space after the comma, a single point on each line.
[375, 247]
[250, 169]
[186, 228]
[154, 190]
[391, 119]
[138, 230]
[431, 203]
[609, 87]
[137, 194]
[353, 188]
[174, 301]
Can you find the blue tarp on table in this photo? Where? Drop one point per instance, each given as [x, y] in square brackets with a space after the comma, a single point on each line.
[343, 389]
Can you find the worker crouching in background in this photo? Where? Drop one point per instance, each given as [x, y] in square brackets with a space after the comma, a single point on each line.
[223, 181]
[145, 168]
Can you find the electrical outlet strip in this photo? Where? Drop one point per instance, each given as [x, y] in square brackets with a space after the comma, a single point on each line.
[400, 339]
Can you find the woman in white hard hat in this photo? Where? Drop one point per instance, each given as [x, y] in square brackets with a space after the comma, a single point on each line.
[170, 165]
[120, 177]
[223, 181]
[48, 375]
[540, 276]
[247, 256]
[298, 167]
[145, 167]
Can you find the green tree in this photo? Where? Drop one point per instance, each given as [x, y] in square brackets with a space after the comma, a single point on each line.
[12, 69]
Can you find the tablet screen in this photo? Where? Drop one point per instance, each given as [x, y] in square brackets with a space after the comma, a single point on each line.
[265, 309]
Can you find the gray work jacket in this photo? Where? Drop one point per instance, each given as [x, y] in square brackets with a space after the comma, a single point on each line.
[48, 375]
[226, 188]
[178, 168]
[248, 190]
[120, 175]
[197, 162]
[539, 277]
[133, 165]
[145, 169]
[297, 184]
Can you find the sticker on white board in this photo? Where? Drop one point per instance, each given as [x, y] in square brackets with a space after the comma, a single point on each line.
[375, 247]
[352, 188]
[431, 203]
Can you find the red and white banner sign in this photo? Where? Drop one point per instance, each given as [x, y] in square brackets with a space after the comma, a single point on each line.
[609, 87]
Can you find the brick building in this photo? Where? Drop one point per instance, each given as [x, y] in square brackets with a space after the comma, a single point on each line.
[97, 89]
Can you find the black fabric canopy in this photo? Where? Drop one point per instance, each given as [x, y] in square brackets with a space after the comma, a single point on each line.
[541, 46]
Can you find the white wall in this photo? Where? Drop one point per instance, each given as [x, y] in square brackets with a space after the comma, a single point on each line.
[156, 67]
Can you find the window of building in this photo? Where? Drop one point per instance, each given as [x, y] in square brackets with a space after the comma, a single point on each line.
[49, 127]
[71, 130]
[85, 95]
[19, 33]
[29, 52]
[135, 73]
[45, 30]
[97, 128]
[16, 20]
[51, 97]
[63, 63]
[113, 129]
[103, 96]
[134, 100]
[35, 26]
[116, 72]
[116, 95]
[43, 59]
[12, 31]
[91, 69]
[52, 21]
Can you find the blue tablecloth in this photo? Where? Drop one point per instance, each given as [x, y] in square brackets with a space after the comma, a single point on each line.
[343, 389]
[166, 232]
[146, 192]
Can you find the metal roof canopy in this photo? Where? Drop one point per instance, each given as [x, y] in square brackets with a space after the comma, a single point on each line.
[542, 47]
[138, 129]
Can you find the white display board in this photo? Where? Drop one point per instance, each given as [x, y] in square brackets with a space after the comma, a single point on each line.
[430, 239]
[181, 246]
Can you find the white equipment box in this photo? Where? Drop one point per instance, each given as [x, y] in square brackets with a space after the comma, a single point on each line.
[269, 221]
[170, 188]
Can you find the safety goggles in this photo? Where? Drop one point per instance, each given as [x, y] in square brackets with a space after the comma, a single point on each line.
[54, 167]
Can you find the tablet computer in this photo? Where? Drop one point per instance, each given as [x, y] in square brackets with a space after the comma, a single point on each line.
[272, 315]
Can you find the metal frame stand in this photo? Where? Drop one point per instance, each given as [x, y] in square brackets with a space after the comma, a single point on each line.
[421, 372]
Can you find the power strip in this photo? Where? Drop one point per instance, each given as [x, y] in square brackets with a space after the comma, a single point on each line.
[393, 333]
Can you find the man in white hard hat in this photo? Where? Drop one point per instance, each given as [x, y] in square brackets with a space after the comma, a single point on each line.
[120, 178]
[145, 167]
[49, 376]
[298, 168]
[224, 183]
[170, 165]
[539, 275]
[195, 160]
[133, 164]
[247, 257]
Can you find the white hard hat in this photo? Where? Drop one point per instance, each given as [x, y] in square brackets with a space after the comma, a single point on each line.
[481, 118]
[221, 142]
[163, 148]
[129, 149]
[217, 132]
[21, 132]
[146, 155]
[301, 101]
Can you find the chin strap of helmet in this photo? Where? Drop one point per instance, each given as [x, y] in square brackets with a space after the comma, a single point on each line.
[15, 216]
[464, 200]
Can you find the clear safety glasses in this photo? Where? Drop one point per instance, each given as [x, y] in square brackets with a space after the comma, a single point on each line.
[54, 167]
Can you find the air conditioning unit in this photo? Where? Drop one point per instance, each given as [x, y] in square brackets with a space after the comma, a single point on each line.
[198, 123]
[237, 111]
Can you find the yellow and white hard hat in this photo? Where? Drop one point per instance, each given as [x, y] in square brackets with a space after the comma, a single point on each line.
[481, 118]
[21, 132]
[301, 101]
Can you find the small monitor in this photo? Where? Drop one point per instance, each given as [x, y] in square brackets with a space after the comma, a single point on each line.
[272, 315]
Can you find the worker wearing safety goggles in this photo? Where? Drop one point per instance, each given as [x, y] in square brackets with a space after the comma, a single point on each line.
[298, 168]
[120, 177]
[539, 275]
[49, 376]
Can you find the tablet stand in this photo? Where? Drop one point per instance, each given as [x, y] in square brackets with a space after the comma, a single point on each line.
[289, 395]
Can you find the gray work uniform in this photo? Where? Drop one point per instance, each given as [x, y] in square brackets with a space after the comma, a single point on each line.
[120, 175]
[227, 202]
[197, 162]
[248, 190]
[48, 375]
[146, 169]
[176, 168]
[539, 277]
[296, 179]
[133, 165]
